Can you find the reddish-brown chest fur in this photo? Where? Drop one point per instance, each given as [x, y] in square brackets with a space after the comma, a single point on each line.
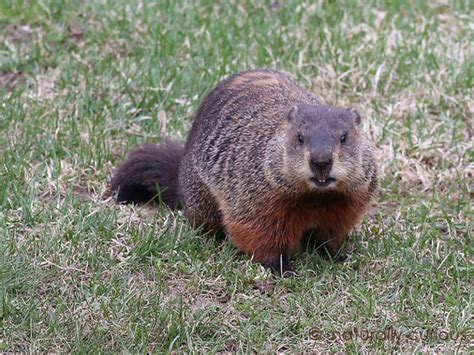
[277, 226]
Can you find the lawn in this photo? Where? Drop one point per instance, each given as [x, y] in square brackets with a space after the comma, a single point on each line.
[83, 82]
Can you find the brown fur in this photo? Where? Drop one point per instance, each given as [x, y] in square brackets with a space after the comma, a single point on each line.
[281, 224]
[251, 165]
[252, 78]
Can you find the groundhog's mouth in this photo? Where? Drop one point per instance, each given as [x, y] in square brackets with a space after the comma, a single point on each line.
[322, 182]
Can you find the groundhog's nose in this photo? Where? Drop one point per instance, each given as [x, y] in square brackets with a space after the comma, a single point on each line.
[321, 163]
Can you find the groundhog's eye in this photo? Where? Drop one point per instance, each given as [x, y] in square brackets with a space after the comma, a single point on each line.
[300, 138]
[343, 138]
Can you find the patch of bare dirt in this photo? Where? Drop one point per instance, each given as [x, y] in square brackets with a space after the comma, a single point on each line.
[46, 84]
[10, 80]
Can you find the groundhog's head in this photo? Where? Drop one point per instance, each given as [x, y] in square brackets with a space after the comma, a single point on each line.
[324, 148]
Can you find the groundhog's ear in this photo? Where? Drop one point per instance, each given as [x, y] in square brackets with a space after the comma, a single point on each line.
[355, 116]
[292, 113]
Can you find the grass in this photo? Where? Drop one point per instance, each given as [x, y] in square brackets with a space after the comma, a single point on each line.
[83, 82]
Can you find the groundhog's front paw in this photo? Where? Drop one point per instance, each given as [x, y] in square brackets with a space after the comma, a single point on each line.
[280, 267]
[323, 246]
[336, 254]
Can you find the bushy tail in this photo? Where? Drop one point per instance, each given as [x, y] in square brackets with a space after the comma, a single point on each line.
[149, 172]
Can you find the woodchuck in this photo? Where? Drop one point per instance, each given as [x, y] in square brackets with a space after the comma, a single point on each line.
[267, 163]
